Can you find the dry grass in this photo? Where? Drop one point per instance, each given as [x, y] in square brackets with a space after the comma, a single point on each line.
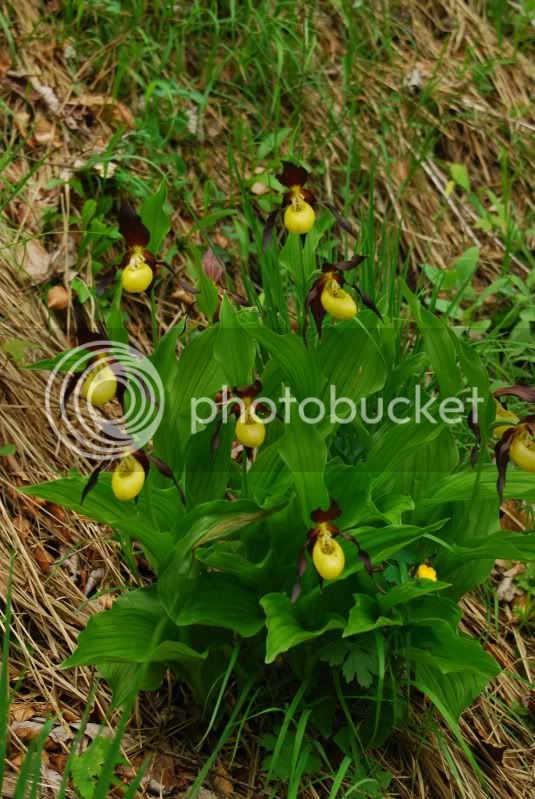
[59, 556]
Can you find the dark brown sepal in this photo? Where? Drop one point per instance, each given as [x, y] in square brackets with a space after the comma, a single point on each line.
[71, 384]
[251, 391]
[343, 266]
[333, 512]
[525, 393]
[131, 227]
[341, 220]
[268, 228]
[239, 300]
[301, 569]
[215, 441]
[92, 480]
[363, 555]
[501, 451]
[187, 286]
[292, 175]
[166, 470]
[305, 194]
[369, 303]
[103, 282]
[313, 301]
[143, 459]
[476, 430]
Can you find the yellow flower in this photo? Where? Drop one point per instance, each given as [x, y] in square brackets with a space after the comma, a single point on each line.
[426, 572]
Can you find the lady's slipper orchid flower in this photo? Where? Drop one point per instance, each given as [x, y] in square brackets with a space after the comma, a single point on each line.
[128, 478]
[504, 415]
[138, 266]
[327, 555]
[100, 385]
[517, 441]
[129, 473]
[299, 204]
[425, 572]
[250, 430]
[105, 379]
[327, 295]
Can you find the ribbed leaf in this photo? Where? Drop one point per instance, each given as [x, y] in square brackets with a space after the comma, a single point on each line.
[285, 629]
[406, 592]
[365, 616]
[219, 600]
[299, 365]
[303, 450]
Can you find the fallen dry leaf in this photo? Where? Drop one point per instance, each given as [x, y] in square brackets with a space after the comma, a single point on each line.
[57, 298]
[507, 590]
[259, 188]
[21, 121]
[48, 96]
[93, 580]
[204, 793]
[183, 296]
[111, 110]
[36, 261]
[22, 525]
[44, 132]
[162, 776]
[222, 782]
[513, 517]
[45, 561]
[25, 730]
[22, 711]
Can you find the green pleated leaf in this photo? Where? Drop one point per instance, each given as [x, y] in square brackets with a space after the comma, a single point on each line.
[365, 616]
[217, 520]
[460, 487]
[382, 543]
[126, 635]
[406, 592]
[350, 358]
[393, 444]
[219, 600]
[269, 476]
[207, 469]
[438, 346]
[303, 450]
[194, 376]
[502, 545]
[438, 646]
[450, 693]
[225, 558]
[147, 521]
[234, 348]
[285, 628]
[432, 610]
[299, 365]
[156, 218]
